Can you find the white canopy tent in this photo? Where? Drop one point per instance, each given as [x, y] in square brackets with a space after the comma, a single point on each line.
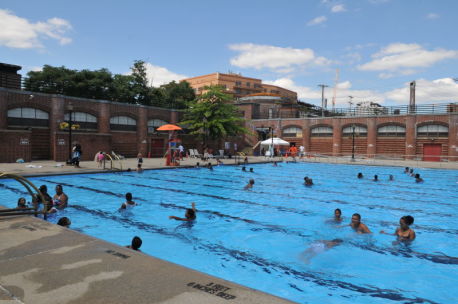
[271, 143]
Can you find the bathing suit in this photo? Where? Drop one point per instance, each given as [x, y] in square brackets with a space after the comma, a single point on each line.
[318, 247]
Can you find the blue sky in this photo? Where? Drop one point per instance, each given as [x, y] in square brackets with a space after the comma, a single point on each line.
[377, 45]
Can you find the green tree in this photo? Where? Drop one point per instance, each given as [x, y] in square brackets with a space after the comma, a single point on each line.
[212, 115]
[177, 95]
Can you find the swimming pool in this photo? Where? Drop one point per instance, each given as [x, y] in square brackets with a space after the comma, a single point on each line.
[256, 237]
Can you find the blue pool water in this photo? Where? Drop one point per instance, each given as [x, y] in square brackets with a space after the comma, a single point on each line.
[257, 238]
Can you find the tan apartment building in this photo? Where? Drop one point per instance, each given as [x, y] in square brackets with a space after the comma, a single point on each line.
[238, 85]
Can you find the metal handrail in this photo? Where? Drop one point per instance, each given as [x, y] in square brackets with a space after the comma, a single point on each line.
[111, 162]
[30, 187]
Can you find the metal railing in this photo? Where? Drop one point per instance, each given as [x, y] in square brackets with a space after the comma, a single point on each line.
[317, 112]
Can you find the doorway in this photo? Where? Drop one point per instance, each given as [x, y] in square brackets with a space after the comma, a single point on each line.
[432, 152]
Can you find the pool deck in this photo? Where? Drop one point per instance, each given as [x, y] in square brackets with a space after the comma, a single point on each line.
[37, 168]
[44, 263]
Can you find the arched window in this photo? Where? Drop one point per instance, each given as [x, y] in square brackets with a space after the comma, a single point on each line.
[432, 131]
[85, 120]
[321, 132]
[153, 124]
[28, 117]
[359, 130]
[391, 131]
[292, 132]
[123, 123]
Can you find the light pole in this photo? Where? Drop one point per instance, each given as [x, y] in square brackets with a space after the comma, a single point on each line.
[70, 122]
[322, 98]
[353, 143]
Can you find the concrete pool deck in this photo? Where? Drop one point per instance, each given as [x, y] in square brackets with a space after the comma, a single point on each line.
[43, 263]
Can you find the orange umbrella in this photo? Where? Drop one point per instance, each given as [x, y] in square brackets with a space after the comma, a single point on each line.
[169, 127]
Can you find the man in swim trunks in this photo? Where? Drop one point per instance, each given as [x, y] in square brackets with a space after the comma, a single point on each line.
[357, 225]
[403, 232]
[190, 214]
[60, 199]
[129, 202]
[249, 185]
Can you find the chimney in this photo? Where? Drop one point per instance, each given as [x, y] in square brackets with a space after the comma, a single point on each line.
[412, 97]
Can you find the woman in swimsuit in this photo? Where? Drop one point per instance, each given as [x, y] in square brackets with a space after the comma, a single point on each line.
[404, 232]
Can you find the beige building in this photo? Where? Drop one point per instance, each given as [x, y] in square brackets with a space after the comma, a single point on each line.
[238, 85]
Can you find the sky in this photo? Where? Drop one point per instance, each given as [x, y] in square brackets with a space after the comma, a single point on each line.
[367, 49]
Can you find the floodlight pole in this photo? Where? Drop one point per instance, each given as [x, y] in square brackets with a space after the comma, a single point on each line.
[70, 108]
[353, 143]
[322, 98]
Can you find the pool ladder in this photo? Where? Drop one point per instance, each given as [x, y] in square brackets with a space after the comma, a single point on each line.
[34, 193]
[116, 157]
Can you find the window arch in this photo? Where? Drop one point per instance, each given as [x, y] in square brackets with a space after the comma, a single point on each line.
[28, 117]
[123, 123]
[85, 120]
[359, 130]
[323, 131]
[292, 132]
[155, 123]
[432, 130]
[391, 131]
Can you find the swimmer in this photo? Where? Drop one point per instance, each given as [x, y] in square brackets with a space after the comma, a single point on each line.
[197, 165]
[209, 166]
[308, 181]
[391, 177]
[375, 178]
[411, 172]
[357, 225]
[406, 170]
[64, 222]
[338, 215]
[251, 170]
[190, 214]
[219, 162]
[60, 199]
[249, 185]
[418, 179]
[275, 164]
[403, 232]
[135, 244]
[360, 175]
[139, 168]
[44, 192]
[318, 247]
[129, 202]
[243, 169]
[21, 203]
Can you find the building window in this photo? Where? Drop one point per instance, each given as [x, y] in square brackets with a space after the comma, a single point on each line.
[28, 117]
[123, 123]
[85, 120]
[271, 112]
[257, 85]
[248, 84]
[432, 131]
[359, 130]
[391, 131]
[238, 83]
[153, 124]
[321, 132]
[292, 132]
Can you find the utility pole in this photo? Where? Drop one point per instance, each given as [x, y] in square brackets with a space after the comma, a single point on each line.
[322, 97]
[350, 102]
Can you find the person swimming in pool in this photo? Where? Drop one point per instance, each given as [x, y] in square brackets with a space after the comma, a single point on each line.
[135, 244]
[357, 225]
[391, 177]
[406, 170]
[318, 247]
[251, 170]
[129, 202]
[243, 168]
[375, 178]
[249, 185]
[418, 179]
[338, 215]
[60, 199]
[21, 203]
[190, 214]
[360, 175]
[64, 222]
[404, 232]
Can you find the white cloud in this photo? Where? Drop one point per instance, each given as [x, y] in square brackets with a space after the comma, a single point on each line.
[432, 16]
[317, 20]
[338, 8]
[401, 73]
[280, 59]
[17, 32]
[397, 57]
[427, 91]
[159, 75]
[313, 94]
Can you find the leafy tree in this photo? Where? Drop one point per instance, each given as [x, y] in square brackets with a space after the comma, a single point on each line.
[177, 95]
[212, 115]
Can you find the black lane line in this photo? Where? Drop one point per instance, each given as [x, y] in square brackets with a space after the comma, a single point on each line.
[266, 265]
[316, 200]
[406, 252]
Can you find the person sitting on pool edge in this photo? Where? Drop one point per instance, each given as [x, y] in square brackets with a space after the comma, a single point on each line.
[60, 199]
[190, 214]
[135, 244]
[418, 179]
[357, 225]
[64, 222]
[360, 175]
[129, 202]
[404, 232]
[249, 185]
